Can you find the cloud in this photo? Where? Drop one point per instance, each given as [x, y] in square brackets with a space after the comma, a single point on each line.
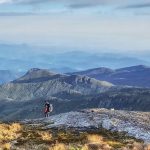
[76, 6]
[71, 3]
[30, 1]
[137, 6]
[48, 5]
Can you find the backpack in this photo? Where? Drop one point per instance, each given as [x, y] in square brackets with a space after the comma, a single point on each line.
[51, 107]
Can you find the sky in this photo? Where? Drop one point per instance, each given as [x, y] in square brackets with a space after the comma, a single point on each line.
[89, 25]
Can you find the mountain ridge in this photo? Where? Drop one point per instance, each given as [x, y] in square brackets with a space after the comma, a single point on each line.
[131, 76]
[42, 83]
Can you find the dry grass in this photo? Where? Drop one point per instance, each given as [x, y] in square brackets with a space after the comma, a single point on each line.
[94, 138]
[115, 144]
[36, 138]
[45, 136]
[95, 141]
[59, 146]
[8, 133]
[5, 146]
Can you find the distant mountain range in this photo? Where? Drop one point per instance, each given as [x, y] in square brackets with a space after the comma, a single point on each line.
[138, 76]
[24, 97]
[23, 57]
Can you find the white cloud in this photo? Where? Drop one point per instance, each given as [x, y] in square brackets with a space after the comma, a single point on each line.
[78, 3]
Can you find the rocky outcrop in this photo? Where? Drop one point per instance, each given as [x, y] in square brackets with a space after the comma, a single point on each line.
[135, 124]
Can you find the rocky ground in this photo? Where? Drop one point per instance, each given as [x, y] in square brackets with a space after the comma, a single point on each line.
[136, 124]
[92, 129]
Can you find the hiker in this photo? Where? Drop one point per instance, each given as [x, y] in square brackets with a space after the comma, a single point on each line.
[48, 108]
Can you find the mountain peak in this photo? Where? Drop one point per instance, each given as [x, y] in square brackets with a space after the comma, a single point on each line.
[142, 66]
[44, 72]
[34, 69]
[36, 74]
[134, 68]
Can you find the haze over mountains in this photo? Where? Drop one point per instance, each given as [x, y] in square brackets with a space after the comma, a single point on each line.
[23, 57]
[8, 75]
[18, 59]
